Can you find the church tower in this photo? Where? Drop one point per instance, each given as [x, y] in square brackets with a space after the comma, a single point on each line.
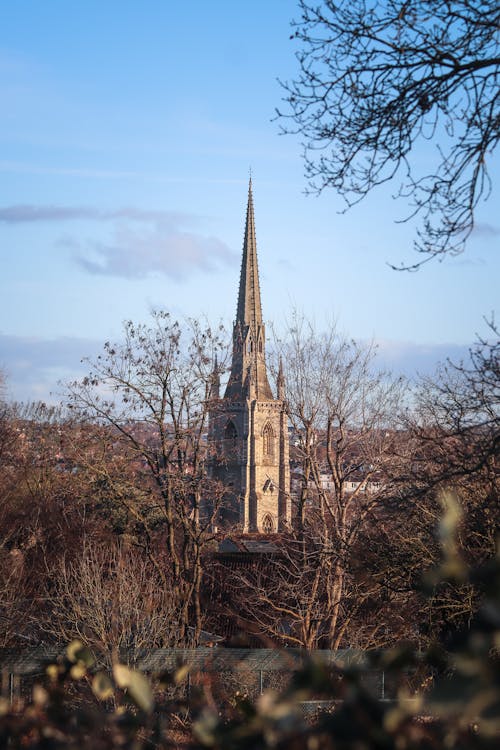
[248, 426]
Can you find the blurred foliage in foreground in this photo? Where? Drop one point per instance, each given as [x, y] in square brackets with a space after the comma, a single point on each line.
[457, 705]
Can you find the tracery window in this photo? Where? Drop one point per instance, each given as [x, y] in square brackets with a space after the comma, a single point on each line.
[268, 441]
[230, 433]
[267, 524]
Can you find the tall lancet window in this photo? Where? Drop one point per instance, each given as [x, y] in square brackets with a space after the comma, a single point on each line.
[230, 433]
[268, 441]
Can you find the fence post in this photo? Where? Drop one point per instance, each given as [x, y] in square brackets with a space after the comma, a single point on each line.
[5, 682]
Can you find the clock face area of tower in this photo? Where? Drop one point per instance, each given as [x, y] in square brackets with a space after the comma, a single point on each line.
[248, 426]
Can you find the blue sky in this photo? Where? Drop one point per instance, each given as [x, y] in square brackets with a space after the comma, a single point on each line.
[126, 137]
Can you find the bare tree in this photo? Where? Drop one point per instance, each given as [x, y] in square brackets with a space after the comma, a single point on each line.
[343, 415]
[456, 433]
[114, 600]
[284, 598]
[151, 395]
[44, 512]
[378, 78]
[459, 412]
[452, 438]
[345, 439]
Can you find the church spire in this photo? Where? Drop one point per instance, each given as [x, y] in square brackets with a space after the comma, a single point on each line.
[248, 427]
[248, 367]
[249, 311]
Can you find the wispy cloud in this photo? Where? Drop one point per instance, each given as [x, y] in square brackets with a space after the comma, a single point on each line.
[14, 167]
[165, 250]
[411, 359]
[34, 366]
[482, 229]
[143, 241]
[25, 213]
[285, 264]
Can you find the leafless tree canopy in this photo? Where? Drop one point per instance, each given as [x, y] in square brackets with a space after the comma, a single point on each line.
[461, 408]
[151, 395]
[343, 413]
[375, 79]
[114, 600]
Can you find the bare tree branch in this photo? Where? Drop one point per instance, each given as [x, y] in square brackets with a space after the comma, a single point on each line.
[378, 79]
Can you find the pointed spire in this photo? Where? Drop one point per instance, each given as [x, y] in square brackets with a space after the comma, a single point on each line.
[249, 339]
[280, 381]
[215, 381]
[249, 311]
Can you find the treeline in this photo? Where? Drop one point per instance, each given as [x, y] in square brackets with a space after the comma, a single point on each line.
[110, 530]
[108, 513]
[375, 460]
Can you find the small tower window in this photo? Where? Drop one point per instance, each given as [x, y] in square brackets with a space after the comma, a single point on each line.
[268, 441]
[230, 433]
[267, 524]
[260, 346]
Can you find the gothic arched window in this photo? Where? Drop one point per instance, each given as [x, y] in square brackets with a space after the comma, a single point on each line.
[230, 433]
[268, 441]
[267, 524]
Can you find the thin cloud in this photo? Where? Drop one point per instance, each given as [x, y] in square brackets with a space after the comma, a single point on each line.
[25, 214]
[113, 174]
[286, 264]
[34, 366]
[143, 242]
[482, 229]
[164, 250]
[411, 359]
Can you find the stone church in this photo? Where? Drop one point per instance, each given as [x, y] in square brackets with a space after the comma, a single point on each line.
[248, 427]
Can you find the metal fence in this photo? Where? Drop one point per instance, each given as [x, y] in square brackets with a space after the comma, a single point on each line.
[225, 670]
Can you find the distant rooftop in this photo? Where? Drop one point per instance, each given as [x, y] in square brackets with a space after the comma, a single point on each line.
[251, 545]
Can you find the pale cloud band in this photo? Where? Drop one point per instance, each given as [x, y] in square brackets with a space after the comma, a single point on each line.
[162, 250]
[411, 359]
[143, 242]
[34, 366]
[27, 213]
